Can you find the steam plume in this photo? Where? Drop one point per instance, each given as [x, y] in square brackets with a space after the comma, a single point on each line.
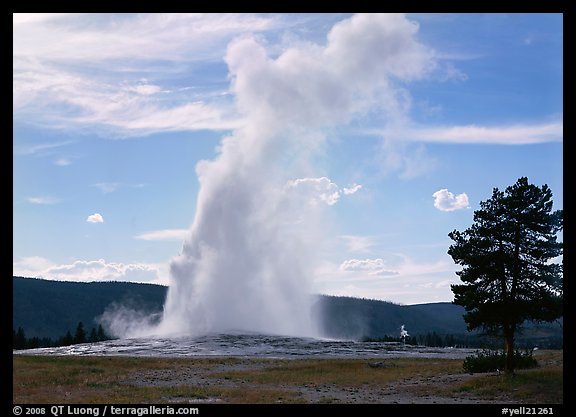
[247, 262]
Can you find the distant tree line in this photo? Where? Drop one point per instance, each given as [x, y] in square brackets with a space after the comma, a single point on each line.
[20, 341]
[433, 339]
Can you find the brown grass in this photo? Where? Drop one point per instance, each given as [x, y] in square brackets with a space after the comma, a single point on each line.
[74, 379]
[342, 372]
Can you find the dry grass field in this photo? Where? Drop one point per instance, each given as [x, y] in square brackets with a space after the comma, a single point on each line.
[234, 380]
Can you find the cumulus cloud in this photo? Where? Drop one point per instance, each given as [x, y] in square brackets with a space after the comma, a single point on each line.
[444, 200]
[30, 265]
[320, 189]
[166, 234]
[371, 266]
[95, 218]
[88, 270]
[317, 189]
[415, 281]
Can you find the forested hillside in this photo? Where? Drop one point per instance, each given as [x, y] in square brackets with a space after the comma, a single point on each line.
[50, 309]
[46, 308]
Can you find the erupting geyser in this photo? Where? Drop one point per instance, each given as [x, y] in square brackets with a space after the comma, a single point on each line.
[247, 264]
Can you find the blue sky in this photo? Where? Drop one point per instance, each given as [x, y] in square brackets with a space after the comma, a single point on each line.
[113, 113]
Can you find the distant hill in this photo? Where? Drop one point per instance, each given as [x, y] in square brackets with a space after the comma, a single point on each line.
[45, 308]
[349, 317]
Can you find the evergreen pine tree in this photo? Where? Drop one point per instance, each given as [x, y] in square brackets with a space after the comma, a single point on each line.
[93, 335]
[19, 341]
[101, 334]
[67, 340]
[507, 276]
[80, 336]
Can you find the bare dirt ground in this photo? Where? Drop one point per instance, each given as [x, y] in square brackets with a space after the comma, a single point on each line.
[416, 390]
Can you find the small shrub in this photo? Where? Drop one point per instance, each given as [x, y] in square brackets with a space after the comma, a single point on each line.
[490, 361]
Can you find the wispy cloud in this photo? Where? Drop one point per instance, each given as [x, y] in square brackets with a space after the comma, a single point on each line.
[402, 149]
[107, 187]
[359, 243]
[146, 36]
[63, 161]
[444, 200]
[47, 200]
[54, 82]
[21, 149]
[494, 135]
[110, 187]
[166, 234]
[452, 73]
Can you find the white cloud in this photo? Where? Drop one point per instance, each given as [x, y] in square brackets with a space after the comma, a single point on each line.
[107, 187]
[62, 162]
[89, 270]
[444, 200]
[166, 234]
[43, 200]
[56, 58]
[26, 265]
[144, 89]
[163, 36]
[46, 95]
[321, 189]
[95, 218]
[317, 189]
[39, 148]
[413, 282]
[495, 135]
[352, 189]
[36, 18]
[110, 187]
[371, 266]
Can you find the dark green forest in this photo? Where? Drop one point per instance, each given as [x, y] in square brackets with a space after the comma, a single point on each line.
[55, 313]
[45, 308]
[21, 341]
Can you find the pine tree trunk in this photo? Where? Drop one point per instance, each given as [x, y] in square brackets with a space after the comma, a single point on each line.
[509, 352]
